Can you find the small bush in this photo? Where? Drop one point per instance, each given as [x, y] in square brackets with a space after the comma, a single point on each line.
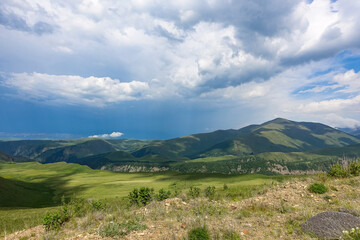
[199, 233]
[353, 234]
[162, 195]
[337, 170]
[142, 196]
[77, 207]
[97, 205]
[318, 188]
[230, 235]
[354, 168]
[194, 192]
[54, 220]
[225, 187]
[210, 192]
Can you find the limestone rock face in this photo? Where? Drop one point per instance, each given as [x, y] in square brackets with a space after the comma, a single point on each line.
[329, 225]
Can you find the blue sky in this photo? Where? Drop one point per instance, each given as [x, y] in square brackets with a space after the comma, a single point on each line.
[161, 69]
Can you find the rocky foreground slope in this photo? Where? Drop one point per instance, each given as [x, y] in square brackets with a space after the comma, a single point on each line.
[275, 212]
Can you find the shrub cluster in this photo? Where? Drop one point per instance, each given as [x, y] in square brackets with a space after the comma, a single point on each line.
[163, 194]
[210, 192]
[145, 195]
[338, 170]
[141, 196]
[194, 192]
[318, 188]
[73, 208]
[54, 220]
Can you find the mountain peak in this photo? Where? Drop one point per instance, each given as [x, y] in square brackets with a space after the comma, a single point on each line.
[279, 120]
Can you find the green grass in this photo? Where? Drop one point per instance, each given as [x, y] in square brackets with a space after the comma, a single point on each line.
[12, 219]
[43, 185]
[81, 181]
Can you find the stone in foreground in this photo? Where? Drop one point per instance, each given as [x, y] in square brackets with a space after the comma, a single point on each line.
[330, 225]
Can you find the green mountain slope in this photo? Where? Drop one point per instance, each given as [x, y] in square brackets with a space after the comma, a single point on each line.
[28, 148]
[71, 153]
[34, 148]
[121, 158]
[189, 146]
[353, 131]
[8, 158]
[350, 151]
[281, 135]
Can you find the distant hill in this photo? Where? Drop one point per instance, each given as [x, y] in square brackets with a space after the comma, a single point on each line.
[28, 148]
[121, 158]
[192, 145]
[70, 153]
[350, 151]
[281, 135]
[276, 146]
[278, 135]
[48, 151]
[352, 131]
[8, 158]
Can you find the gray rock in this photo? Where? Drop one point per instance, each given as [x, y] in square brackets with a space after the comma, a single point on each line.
[350, 211]
[329, 225]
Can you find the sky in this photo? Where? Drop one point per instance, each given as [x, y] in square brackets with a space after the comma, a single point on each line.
[153, 69]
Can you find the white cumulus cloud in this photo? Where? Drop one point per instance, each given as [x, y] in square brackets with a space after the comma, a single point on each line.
[76, 90]
[111, 135]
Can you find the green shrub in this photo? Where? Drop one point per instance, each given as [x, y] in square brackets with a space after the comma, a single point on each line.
[210, 192]
[77, 207]
[194, 192]
[353, 234]
[54, 220]
[162, 195]
[318, 188]
[354, 168]
[230, 235]
[142, 196]
[337, 170]
[199, 233]
[97, 205]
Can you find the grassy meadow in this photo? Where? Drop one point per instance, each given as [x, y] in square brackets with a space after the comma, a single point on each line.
[29, 190]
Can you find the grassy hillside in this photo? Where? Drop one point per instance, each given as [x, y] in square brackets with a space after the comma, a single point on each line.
[121, 158]
[24, 186]
[281, 135]
[188, 146]
[69, 179]
[8, 158]
[16, 193]
[129, 145]
[71, 153]
[239, 207]
[351, 151]
[32, 149]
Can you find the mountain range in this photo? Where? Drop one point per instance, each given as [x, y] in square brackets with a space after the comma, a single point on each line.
[276, 146]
